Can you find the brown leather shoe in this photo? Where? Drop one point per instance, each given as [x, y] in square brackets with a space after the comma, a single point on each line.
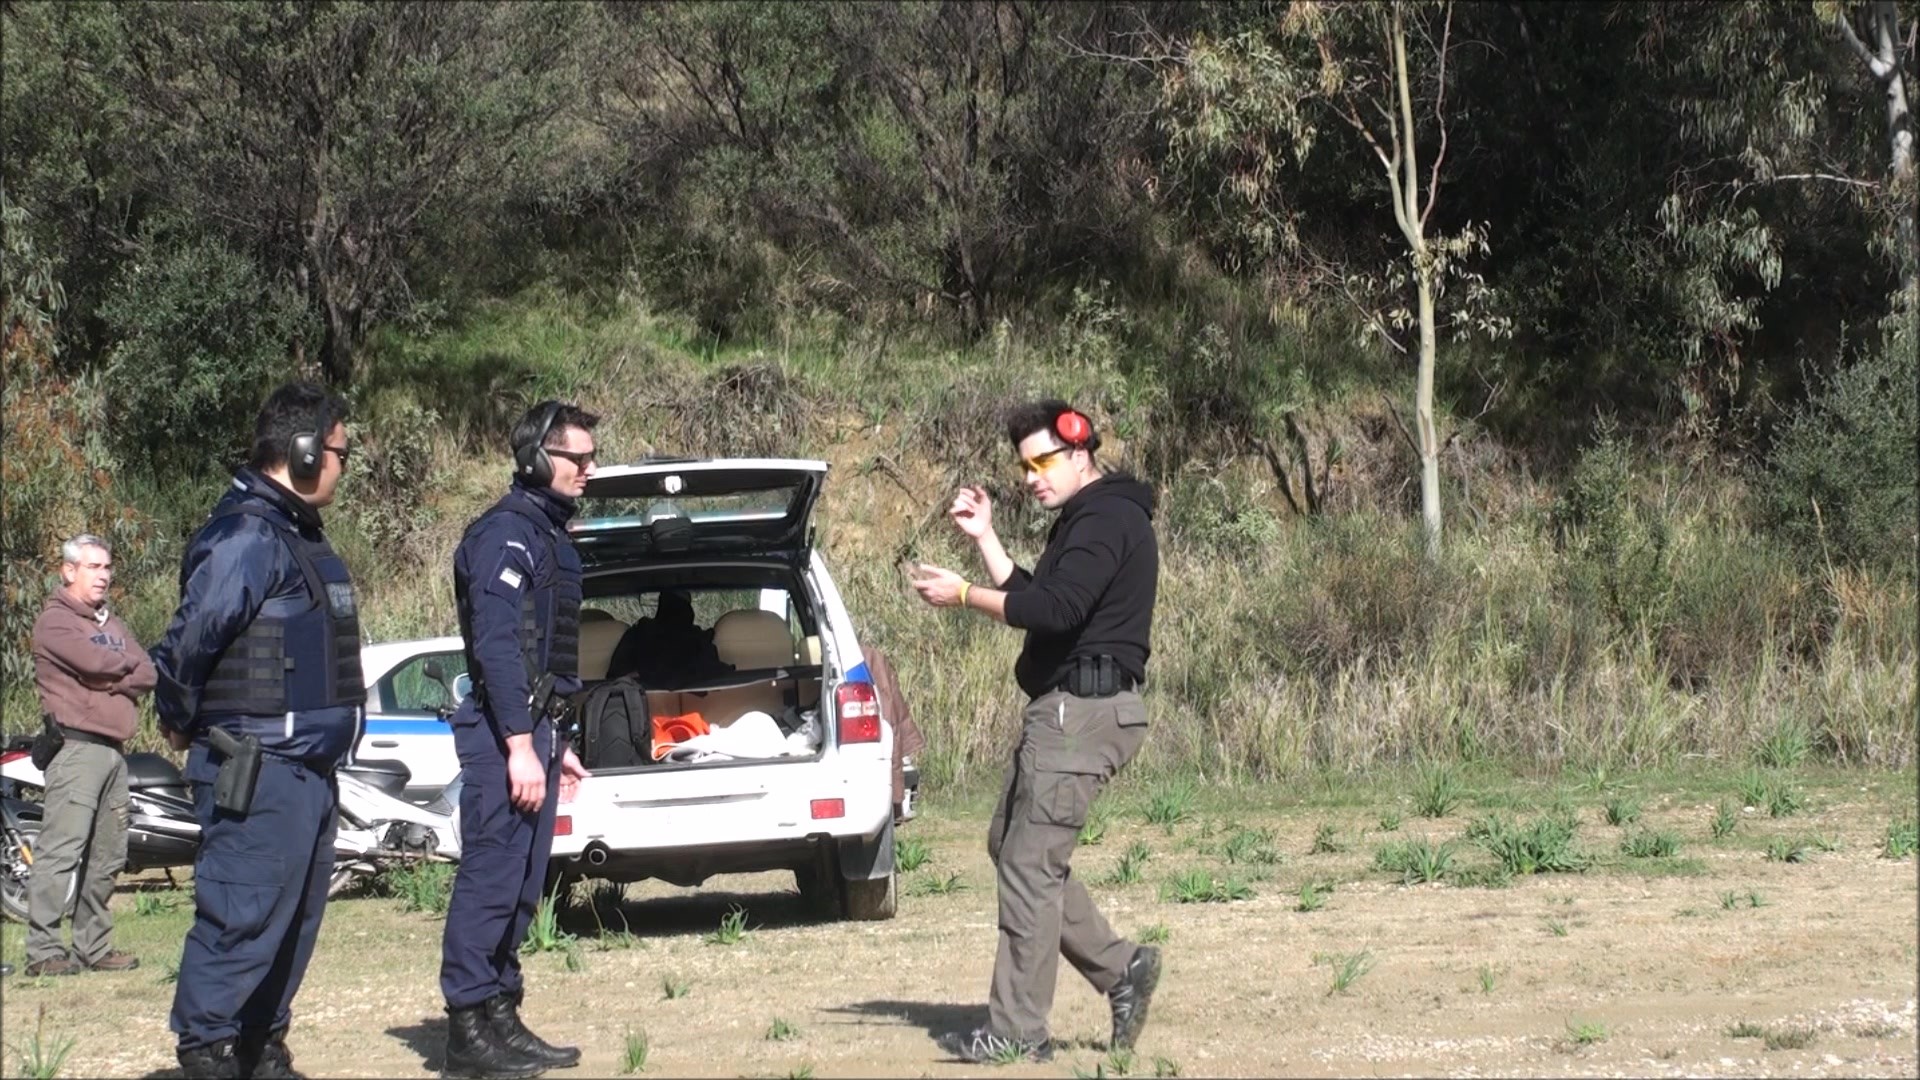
[115, 960]
[59, 965]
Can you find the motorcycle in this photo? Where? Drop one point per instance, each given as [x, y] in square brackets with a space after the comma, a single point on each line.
[377, 826]
[162, 832]
[380, 829]
[16, 862]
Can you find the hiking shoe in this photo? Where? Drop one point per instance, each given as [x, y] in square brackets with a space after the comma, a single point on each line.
[983, 1047]
[1131, 996]
[115, 960]
[59, 965]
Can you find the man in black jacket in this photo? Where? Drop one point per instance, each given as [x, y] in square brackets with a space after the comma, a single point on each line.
[1087, 608]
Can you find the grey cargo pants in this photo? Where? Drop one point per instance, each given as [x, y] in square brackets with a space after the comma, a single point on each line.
[1070, 747]
[81, 849]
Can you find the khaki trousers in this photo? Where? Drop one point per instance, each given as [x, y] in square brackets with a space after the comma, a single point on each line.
[1070, 747]
[81, 849]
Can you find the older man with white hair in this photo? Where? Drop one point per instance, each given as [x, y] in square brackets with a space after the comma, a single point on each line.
[89, 671]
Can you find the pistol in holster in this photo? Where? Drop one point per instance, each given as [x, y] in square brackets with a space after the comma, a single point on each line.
[239, 773]
[546, 700]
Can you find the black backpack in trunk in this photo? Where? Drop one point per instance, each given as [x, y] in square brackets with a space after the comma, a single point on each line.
[615, 726]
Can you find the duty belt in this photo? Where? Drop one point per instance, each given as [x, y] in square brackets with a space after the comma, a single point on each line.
[1096, 677]
[74, 734]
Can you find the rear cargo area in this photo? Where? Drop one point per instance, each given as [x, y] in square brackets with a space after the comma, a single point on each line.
[700, 680]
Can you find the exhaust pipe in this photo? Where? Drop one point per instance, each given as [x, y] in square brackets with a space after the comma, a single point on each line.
[597, 855]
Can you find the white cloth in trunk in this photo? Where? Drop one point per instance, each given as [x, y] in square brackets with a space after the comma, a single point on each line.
[753, 735]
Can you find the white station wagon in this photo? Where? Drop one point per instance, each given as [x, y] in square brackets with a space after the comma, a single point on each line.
[761, 744]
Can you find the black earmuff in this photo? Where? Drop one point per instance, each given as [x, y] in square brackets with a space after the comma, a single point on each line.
[1075, 430]
[531, 462]
[305, 449]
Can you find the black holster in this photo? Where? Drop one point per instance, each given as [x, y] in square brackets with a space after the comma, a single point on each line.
[239, 773]
[1094, 677]
[47, 744]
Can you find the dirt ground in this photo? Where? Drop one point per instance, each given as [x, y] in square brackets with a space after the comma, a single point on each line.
[1635, 968]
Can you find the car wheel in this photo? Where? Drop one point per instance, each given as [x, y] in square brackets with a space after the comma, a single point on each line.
[874, 900]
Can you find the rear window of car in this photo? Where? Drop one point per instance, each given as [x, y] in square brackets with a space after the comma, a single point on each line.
[770, 504]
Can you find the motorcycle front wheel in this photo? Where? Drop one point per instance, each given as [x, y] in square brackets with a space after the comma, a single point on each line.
[16, 869]
[345, 879]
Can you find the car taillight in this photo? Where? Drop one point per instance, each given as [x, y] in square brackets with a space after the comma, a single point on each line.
[859, 712]
[563, 825]
[829, 808]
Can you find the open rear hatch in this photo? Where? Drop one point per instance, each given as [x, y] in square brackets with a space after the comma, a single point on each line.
[633, 514]
[650, 517]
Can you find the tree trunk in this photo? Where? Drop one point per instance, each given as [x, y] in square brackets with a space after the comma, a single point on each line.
[1413, 225]
[1882, 59]
[1900, 136]
[336, 347]
[1423, 418]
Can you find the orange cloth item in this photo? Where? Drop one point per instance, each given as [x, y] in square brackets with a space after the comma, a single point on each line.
[671, 731]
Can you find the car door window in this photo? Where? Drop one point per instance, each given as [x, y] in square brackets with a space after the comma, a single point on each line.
[408, 687]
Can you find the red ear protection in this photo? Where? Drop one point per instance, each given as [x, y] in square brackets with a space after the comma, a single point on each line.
[1073, 428]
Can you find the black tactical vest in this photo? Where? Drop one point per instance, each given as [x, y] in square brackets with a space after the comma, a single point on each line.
[551, 599]
[297, 654]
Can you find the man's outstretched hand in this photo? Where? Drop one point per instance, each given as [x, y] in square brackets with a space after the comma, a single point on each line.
[972, 511]
[937, 586]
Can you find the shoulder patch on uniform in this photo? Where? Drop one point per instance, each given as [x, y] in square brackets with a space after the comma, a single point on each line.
[511, 577]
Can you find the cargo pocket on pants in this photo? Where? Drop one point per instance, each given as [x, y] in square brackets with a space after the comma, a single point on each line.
[236, 893]
[1061, 799]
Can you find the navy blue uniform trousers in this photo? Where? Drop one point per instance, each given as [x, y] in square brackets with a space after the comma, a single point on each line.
[503, 864]
[259, 891]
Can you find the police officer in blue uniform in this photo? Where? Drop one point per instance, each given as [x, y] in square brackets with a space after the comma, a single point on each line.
[260, 682]
[516, 582]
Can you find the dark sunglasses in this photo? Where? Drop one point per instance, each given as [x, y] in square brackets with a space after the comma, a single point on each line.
[580, 458]
[342, 451]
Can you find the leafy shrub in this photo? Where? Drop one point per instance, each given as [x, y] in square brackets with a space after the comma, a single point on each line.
[56, 469]
[1369, 593]
[200, 339]
[1617, 557]
[1839, 483]
[391, 475]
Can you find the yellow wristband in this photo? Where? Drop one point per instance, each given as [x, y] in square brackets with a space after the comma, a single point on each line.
[963, 593]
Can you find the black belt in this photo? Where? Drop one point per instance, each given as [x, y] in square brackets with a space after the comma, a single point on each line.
[1096, 677]
[77, 735]
[1126, 686]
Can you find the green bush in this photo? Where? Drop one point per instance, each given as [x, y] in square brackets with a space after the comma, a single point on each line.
[1616, 557]
[1839, 483]
[57, 478]
[200, 337]
[1366, 592]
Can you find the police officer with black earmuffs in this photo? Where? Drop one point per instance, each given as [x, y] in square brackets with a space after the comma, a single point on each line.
[259, 681]
[516, 583]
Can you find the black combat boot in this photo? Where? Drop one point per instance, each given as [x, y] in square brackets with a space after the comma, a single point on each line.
[264, 1055]
[503, 1013]
[475, 1053]
[214, 1061]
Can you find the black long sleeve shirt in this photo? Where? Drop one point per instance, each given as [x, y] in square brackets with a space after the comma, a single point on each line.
[1093, 589]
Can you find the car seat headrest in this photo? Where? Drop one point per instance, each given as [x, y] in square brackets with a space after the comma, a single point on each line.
[751, 638]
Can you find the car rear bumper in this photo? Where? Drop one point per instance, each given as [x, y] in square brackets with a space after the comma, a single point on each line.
[647, 817]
